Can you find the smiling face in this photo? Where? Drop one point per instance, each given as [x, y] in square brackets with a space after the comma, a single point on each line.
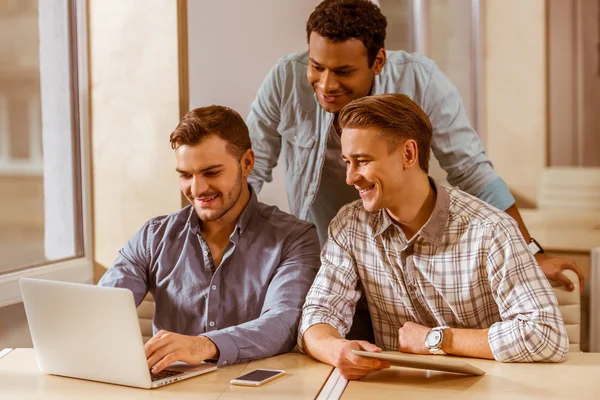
[339, 72]
[211, 177]
[376, 171]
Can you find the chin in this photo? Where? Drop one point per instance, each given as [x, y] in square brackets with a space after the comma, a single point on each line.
[331, 108]
[207, 216]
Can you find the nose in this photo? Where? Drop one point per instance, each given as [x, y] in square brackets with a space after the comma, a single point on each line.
[328, 83]
[199, 186]
[351, 175]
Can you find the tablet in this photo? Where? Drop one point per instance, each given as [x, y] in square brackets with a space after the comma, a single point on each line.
[423, 362]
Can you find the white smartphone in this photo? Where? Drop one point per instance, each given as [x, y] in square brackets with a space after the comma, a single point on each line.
[258, 377]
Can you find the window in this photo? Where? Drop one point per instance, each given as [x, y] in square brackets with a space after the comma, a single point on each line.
[44, 156]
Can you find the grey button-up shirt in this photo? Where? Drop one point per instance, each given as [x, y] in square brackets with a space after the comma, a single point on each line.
[250, 305]
[286, 118]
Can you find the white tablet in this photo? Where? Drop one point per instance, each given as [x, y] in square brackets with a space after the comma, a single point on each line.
[423, 362]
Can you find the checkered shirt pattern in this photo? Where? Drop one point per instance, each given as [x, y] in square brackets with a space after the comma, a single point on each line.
[468, 267]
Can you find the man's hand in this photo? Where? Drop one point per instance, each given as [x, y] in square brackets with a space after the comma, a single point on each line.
[352, 366]
[411, 338]
[553, 267]
[167, 347]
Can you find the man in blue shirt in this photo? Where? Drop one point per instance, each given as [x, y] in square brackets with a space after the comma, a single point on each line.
[229, 274]
[296, 108]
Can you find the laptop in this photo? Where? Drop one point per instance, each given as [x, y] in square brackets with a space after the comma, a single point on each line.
[92, 332]
[423, 362]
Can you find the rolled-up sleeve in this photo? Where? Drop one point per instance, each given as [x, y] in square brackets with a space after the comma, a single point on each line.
[131, 268]
[457, 146]
[333, 296]
[275, 331]
[532, 328]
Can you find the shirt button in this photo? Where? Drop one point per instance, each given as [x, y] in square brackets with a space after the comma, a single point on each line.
[206, 253]
[224, 362]
[214, 287]
[211, 323]
[295, 137]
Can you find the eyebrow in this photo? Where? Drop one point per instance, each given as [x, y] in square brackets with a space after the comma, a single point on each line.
[340, 68]
[359, 155]
[202, 170]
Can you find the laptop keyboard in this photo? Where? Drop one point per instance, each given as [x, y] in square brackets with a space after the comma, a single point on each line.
[166, 373]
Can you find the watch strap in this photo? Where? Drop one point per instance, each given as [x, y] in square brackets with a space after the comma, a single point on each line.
[535, 247]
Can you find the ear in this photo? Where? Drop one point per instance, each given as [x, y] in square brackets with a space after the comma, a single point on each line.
[247, 162]
[379, 61]
[410, 154]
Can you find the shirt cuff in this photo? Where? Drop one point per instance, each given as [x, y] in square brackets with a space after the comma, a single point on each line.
[314, 321]
[228, 349]
[505, 345]
[497, 194]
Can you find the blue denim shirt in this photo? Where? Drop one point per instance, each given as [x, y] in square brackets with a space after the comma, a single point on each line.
[286, 118]
[250, 305]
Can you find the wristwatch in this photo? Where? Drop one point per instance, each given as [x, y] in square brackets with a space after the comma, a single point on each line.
[434, 340]
[535, 247]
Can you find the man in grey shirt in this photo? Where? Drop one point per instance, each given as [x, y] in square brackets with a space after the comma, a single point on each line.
[296, 108]
[229, 274]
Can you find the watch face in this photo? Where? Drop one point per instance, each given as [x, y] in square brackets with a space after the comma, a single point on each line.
[433, 338]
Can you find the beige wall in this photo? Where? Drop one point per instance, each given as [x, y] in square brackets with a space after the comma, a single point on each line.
[589, 101]
[574, 83]
[134, 106]
[515, 92]
[229, 66]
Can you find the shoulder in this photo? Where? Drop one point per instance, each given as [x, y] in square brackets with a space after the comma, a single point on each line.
[292, 67]
[288, 78]
[398, 58]
[176, 220]
[281, 223]
[352, 219]
[399, 63]
[407, 73]
[470, 210]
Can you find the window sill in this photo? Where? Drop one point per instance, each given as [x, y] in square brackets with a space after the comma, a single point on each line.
[78, 271]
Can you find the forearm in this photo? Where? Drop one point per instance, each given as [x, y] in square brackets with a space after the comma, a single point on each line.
[467, 343]
[321, 342]
[272, 333]
[208, 348]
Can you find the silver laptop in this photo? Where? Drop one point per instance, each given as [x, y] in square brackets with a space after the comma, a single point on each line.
[91, 332]
[423, 362]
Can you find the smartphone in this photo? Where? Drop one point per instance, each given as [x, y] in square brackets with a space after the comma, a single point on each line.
[258, 377]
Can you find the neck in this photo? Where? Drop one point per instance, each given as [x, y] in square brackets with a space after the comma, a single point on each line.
[336, 124]
[415, 204]
[225, 225]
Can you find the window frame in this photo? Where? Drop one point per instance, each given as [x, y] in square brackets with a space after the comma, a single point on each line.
[79, 268]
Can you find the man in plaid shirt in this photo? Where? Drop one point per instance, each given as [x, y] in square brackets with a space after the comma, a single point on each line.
[443, 272]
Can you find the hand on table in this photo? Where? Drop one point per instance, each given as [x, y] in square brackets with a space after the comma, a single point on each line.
[165, 348]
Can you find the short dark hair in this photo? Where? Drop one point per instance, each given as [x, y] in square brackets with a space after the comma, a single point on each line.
[340, 20]
[397, 116]
[220, 121]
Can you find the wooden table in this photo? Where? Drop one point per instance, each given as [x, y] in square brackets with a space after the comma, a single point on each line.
[20, 378]
[576, 378]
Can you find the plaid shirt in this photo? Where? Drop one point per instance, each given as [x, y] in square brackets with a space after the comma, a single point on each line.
[468, 267]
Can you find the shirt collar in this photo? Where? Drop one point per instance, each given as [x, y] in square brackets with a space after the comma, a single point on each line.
[194, 222]
[436, 224]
